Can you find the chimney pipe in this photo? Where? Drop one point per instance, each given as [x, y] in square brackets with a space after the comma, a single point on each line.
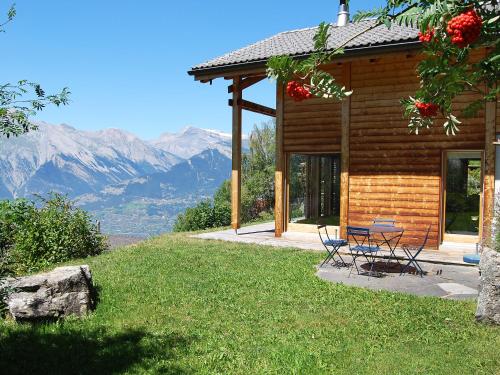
[343, 16]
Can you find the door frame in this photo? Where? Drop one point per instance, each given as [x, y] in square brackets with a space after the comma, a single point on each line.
[299, 227]
[444, 171]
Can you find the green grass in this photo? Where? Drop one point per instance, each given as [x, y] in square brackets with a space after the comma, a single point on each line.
[462, 222]
[179, 305]
[328, 220]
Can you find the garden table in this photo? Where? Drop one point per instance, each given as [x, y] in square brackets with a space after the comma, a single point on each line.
[389, 236]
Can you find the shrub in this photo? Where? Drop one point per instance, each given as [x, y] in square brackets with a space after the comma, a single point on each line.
[33, 237]
[13, 214]
[205, 214]
[495, 238]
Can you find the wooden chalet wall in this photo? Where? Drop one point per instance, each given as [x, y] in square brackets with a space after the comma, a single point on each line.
[391, 173]
[312, 126]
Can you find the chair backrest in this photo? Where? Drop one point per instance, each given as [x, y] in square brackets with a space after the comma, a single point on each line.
[320, 227]
[384, 222]
[358, 234]
[426, 238]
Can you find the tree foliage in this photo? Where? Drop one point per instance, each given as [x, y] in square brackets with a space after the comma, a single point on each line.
[449, 68]
[21, 100]
[308, 73]
[37, 234]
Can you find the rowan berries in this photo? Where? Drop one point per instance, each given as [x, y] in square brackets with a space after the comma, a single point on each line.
[427, 109]
[297, 91]
[465, 28]
[427, 36]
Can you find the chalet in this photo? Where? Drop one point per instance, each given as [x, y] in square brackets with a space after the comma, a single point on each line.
[348, 162]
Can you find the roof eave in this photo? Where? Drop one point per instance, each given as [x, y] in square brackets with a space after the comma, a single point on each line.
[258, 66]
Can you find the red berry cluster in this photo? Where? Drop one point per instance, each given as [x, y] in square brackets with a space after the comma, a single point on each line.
[465, 28]
[427, 109]
[297, 91]
[427, 36]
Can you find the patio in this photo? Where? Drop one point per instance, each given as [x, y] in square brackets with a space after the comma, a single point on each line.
[444, 281]
[447, 276]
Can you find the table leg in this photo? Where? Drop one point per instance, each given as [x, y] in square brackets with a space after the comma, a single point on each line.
[392, 250]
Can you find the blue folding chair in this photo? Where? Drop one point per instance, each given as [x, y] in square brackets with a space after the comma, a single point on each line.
[361, 245]
[412, 252]
[332, 246]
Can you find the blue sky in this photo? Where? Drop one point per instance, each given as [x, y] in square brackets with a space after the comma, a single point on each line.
[125, 61]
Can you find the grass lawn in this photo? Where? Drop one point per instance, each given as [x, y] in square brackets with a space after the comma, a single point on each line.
[179, 305]
[328, 220]
[461, 222]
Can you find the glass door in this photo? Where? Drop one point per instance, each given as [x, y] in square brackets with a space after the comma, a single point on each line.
[314, 189]
[463, 195]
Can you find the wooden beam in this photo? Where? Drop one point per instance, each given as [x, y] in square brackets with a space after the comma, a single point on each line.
[246, 83]
[279, 206]
[236, 158]
[489, 169]
[229, 75]
[344, 152]
[254, 107]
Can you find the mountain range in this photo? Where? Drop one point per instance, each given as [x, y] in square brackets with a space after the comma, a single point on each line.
[132, 186]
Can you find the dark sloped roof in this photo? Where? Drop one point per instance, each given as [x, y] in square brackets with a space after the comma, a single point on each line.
[300, 42]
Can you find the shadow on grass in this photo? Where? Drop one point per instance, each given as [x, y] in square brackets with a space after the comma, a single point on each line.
[82, 352]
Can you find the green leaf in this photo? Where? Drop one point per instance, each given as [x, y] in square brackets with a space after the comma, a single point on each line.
[493, 20]
[321, 37]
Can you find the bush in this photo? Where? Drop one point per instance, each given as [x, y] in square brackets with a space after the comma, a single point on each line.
[204, 215]
[494, 241]
[13, 214]
[33, 237]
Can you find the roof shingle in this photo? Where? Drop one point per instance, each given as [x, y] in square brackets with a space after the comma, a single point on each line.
[300, 42]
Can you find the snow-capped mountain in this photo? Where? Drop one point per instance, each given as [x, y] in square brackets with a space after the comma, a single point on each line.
[191, 141]
[113, 173]
[62, 158]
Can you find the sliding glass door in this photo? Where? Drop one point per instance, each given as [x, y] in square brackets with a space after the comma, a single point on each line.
[463, 194]
[314, 189]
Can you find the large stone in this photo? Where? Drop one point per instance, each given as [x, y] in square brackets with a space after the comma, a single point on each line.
[53, 295]
[488, 305]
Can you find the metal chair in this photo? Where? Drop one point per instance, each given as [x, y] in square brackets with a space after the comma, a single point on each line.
[384, 222]
[361, 245]
[332, 246]
[412, 253]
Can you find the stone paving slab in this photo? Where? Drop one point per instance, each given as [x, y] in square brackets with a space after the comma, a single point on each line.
[443, 281]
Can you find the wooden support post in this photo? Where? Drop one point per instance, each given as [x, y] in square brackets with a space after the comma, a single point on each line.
[489, 169]
[279, 206]
[236, 157]
[344, 156]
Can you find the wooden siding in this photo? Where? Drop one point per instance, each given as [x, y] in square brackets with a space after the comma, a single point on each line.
[498, 115]
[392, 173]
[312, 125]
